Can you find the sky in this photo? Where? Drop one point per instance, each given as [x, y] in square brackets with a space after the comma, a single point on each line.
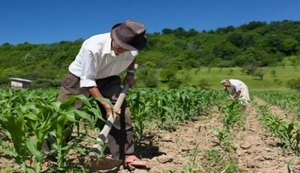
[50, 21]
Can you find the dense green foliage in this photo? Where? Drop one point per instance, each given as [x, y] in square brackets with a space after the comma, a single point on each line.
[255, 43]
[28, 117]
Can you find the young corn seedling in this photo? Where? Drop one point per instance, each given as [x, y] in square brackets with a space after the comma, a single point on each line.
[286, 132]
[232, 114]
[140, 108]
[224, 138]
[189, 167]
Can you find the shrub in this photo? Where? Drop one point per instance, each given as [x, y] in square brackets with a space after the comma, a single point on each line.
[294, 84]
[167, 75]
[259, 73]
[203, 83]
[4, 81]
[46, 83]
[148, 77]
[174, 84]
[249, 69]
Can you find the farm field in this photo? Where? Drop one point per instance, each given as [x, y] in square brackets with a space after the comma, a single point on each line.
[183, 130]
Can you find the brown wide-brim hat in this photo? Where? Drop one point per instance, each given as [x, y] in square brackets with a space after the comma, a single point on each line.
[129, 35]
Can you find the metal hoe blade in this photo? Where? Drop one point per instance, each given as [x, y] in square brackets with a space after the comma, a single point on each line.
[104, 164]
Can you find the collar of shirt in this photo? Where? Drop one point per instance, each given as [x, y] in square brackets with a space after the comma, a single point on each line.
[107, 48]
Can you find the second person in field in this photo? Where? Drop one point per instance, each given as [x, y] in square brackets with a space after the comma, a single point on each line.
[239, 90]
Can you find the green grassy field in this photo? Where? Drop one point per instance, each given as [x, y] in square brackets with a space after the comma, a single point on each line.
[215, 75]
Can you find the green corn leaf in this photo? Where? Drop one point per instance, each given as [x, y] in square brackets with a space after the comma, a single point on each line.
[32, 146]
[96, 113]
[168, 109]
[104, 100]
[31, 116]
[70, 116]
[68, 103]
[84, 99]
[56, 105]
[84, 115]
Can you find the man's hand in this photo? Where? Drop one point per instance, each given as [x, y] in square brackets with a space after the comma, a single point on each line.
[107, 107]
[104, 102]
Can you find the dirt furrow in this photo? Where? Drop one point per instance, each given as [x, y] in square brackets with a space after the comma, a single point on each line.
[258, 150]
[279, 112]
[177, 147]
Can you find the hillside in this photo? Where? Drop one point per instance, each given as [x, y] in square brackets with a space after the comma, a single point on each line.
[256, 44]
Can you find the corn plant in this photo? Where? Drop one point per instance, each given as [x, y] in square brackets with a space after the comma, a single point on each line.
[217, 161]
[28, 117]
[232, 113]
[140, 108]
[287, 100]
[28, 120]
[190, 167]
[288, 133]
[224, 138]
[167, 108]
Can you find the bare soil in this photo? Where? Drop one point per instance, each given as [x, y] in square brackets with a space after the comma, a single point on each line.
[259, 151]
[279, 112]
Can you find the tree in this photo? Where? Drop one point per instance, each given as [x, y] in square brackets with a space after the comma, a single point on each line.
[236, 38]
[274, 43]
[191, 33]
[290, 46]
[224, 30]
[180, 32]
[253, 56]
[224, 50]
[149, 77]
[167, 31]
[253, 25]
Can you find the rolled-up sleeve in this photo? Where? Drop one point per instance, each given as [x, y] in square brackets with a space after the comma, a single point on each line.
[88, 73]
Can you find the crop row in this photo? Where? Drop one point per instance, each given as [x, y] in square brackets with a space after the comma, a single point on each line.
[28, 117]
[287, 100]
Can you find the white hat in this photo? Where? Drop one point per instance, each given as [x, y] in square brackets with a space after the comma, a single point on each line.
[223, 81]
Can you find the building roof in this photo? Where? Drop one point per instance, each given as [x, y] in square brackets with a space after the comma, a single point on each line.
[20, 79]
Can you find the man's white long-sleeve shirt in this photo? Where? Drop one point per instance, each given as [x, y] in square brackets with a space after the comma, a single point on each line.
[237, 85]
[96, 60]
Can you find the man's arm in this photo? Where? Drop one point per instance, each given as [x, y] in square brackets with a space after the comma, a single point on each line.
[96, 93]
[129, 78]
[131, 66]
[236, 94]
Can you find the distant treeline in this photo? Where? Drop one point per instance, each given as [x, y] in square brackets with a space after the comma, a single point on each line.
[255, 43]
